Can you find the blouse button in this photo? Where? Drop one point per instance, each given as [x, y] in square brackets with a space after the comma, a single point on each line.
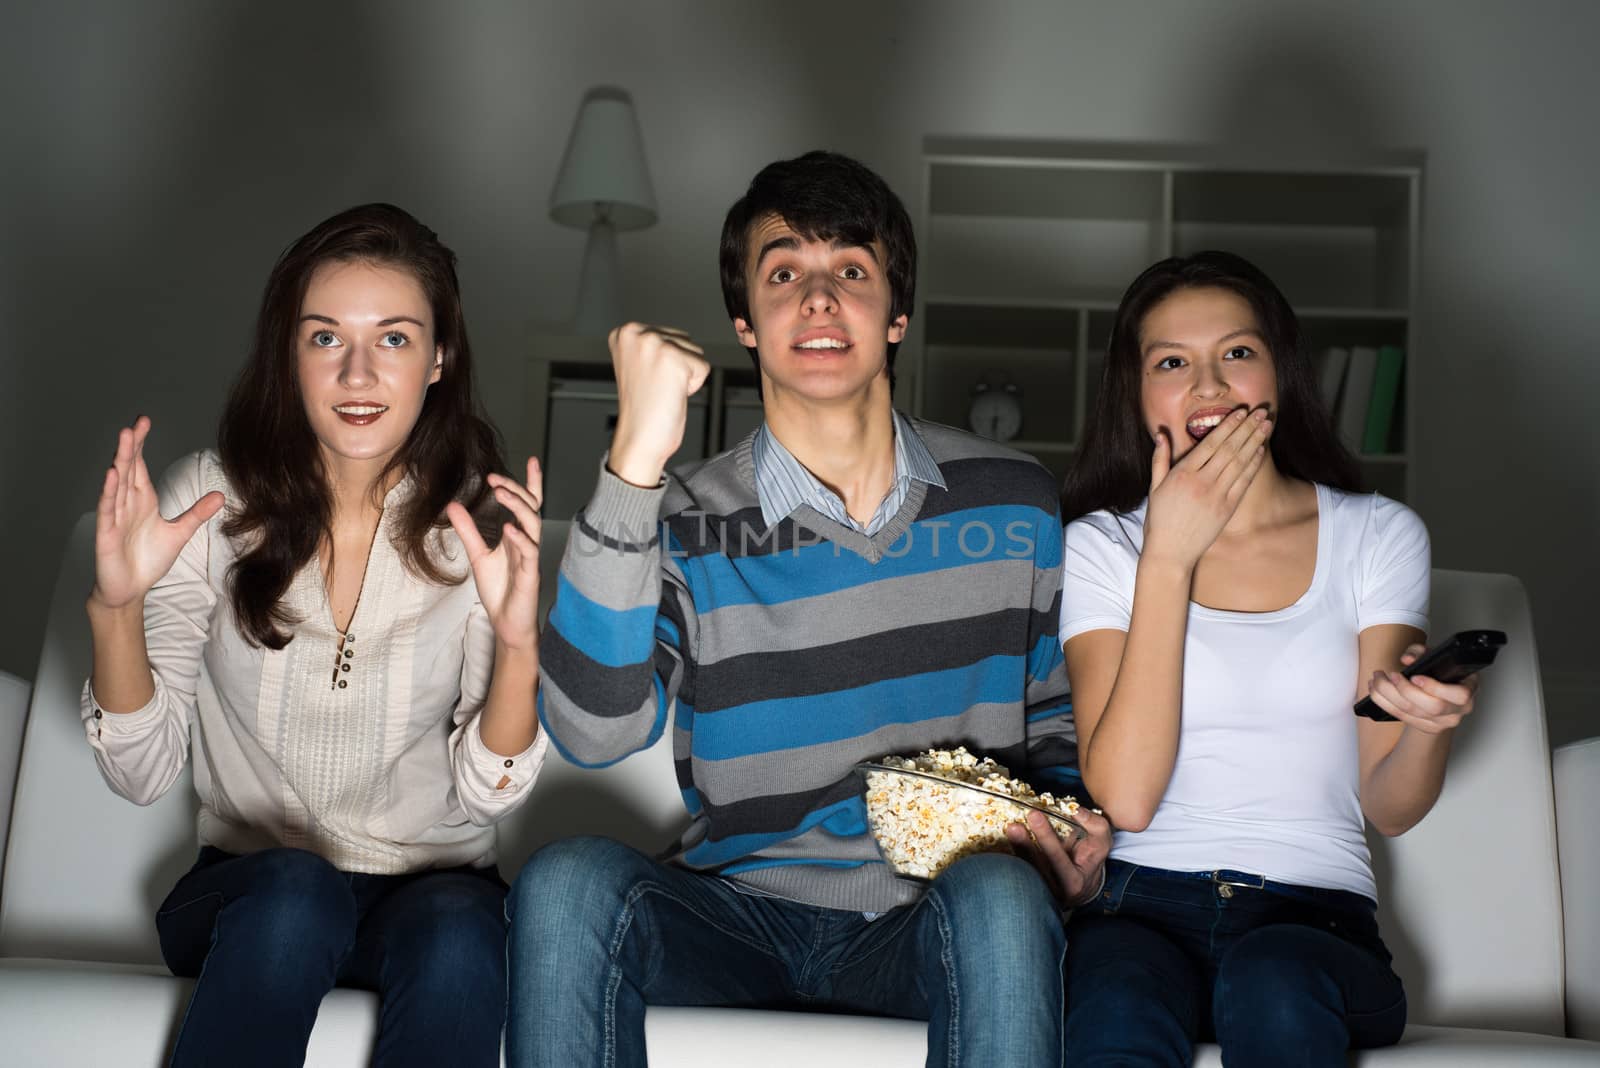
[349, 653]
[343, 684]
[344, 667]
[349, 637]
[509, 763]
[97, 714]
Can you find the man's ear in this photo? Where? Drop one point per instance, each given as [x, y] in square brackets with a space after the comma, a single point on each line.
[746, 332]
[438, 365]
[897, 328]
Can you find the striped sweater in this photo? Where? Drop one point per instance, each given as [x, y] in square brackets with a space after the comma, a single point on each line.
[782, 656]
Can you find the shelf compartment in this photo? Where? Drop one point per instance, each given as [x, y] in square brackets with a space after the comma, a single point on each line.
[1318, 332]
[1044, 378]
[1038, 259]
[1314, 265]
[1043, 192]
[1365, 201]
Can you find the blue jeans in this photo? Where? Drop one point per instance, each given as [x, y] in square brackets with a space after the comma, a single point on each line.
[267, 934]
[599, 931]
[1277, 974]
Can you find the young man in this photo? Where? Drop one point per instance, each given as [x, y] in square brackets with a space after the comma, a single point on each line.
[843, 584]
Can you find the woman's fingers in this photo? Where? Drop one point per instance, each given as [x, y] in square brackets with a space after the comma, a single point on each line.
[1241, 435]
[523, 551]
[1241, 470]
[461, 522]
[197, 513]
[105, 509]
[1459, 695]
[1207, 447]
[1160, 459]
[532, 494]
[123, 463]
[1247, 475]
[139, 472]
[520, 507]
[536, 483]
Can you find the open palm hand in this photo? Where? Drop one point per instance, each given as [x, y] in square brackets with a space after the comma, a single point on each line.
[508, 575]
[133, 545]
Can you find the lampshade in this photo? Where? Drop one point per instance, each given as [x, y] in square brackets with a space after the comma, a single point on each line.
[603, 172]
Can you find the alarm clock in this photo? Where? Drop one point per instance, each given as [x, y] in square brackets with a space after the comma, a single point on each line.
[996, 411]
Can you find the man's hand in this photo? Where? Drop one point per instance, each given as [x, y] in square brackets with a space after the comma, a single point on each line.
[1073, 871]
[657, 370]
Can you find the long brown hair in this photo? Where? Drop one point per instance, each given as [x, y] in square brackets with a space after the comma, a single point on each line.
[1112, 470]
[283, 506]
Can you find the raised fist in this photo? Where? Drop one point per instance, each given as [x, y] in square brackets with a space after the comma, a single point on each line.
[657, 369]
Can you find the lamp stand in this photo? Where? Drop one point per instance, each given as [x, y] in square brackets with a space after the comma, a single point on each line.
[599, 302]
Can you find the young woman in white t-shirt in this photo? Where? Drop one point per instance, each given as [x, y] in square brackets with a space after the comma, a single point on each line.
[1227, 597]
[340, 618]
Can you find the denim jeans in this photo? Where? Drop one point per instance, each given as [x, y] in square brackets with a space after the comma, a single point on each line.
[267, 934]
[1277, 974]
[599, 931]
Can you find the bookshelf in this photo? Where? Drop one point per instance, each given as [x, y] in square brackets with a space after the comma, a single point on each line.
[1027, 247]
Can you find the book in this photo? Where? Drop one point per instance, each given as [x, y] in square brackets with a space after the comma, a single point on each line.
[1330, 376]
[1356, 394]
[1385, 393]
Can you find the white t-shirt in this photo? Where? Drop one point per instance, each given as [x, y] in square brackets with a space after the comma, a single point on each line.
[1267, 773]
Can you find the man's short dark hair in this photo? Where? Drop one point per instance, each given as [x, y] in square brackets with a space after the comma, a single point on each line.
[823, 196]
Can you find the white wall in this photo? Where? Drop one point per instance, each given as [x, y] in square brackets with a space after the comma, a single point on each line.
[158, 155]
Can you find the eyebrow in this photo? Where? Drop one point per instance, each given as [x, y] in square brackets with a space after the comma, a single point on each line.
[310, 318]
[790, 243]
[1244, 332]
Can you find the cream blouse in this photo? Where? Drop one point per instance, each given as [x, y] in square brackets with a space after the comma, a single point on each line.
[375, 764]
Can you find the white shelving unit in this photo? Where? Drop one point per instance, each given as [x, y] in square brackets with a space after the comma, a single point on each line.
[1028, 246]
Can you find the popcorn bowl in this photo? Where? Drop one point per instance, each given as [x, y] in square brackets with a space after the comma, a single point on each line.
[924, 822]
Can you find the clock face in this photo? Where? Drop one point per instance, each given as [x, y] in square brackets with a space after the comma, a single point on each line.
[996, 414]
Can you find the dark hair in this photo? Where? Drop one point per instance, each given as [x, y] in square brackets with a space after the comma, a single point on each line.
[1113, 469]
[281, 501]
[823, 196]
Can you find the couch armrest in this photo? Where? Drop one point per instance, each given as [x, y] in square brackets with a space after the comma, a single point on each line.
[14, 693]
[1577, 782]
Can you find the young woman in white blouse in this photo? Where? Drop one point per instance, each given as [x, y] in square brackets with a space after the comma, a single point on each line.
[1227, 598]
[338, 623]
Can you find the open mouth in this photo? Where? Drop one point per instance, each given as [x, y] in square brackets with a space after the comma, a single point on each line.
[823, 343]
[360, 414]
[1204, 422]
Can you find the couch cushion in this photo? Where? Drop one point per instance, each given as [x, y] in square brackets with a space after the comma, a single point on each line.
[1469, 898]
[1577, 776]
[67, 1013]
[13, 715]
[85, 868]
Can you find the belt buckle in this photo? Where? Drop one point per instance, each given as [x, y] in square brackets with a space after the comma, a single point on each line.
[1225, 881]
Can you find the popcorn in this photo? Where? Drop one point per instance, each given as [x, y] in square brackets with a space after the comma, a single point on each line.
[924, 825]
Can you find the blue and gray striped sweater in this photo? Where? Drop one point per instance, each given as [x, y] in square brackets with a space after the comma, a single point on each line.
[781, 657]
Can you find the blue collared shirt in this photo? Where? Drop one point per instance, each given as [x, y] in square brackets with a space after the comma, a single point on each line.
[783, 483]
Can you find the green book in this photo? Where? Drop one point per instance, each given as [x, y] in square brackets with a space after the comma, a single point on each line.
[1385, 394]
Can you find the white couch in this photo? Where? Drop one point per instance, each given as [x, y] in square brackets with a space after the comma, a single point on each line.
[1472, 897]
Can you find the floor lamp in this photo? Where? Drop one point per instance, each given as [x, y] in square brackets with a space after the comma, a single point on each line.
[604, 186]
